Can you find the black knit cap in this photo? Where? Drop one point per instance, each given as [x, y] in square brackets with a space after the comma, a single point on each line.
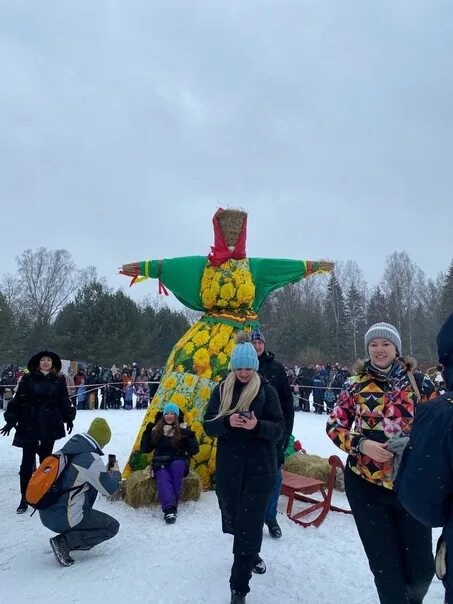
[445, 342]
[33, 363]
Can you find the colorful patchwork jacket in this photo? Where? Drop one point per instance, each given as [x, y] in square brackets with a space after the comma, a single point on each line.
[377, 406]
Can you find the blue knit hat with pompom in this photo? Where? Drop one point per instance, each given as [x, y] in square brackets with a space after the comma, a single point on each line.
[244, 355]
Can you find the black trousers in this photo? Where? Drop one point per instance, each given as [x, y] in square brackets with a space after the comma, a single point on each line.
[398, 547]
[29, 451]
[241, 572]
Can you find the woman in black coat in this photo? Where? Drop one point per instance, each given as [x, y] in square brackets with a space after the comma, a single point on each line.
[244, 414]
[38, 412]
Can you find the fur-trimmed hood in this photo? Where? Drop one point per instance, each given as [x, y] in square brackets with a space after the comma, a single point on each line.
[362, 366]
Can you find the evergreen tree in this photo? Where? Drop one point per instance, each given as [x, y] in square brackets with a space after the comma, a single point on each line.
[355, 321]
[447, 293]
[335, 320]
[7, 330]
[376, 311]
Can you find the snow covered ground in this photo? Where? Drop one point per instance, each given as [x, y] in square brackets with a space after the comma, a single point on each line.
[149, 562]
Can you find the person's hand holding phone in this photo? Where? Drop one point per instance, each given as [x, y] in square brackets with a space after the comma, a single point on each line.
[236, 421]
[112, 464]
[249, 420]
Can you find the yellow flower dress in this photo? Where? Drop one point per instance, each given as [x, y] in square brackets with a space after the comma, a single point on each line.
[230, 295]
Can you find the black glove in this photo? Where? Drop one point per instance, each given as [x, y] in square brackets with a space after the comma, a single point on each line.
[6, 429]
[69, 427]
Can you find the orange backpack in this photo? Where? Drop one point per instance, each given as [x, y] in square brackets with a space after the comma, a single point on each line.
[44, 487]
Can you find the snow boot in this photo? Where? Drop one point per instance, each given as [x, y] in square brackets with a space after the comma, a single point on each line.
[274, 529]
[22, 507]
[61, 551]
[237, 597]
[170, 517]
[170, 514]
[259, 566]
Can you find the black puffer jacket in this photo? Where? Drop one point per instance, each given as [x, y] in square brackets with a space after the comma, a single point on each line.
[40, 408]
[275, 374]
[166, 450]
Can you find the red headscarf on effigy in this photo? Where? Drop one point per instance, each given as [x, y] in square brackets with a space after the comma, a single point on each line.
[219, 251]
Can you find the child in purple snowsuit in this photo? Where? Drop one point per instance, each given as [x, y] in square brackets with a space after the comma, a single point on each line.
[173, 444]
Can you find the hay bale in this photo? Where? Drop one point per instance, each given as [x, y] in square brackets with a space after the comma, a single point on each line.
[141, 490]
[231, 222]
[120, 493]
[313, 466]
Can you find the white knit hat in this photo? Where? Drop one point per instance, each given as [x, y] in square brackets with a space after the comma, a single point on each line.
[383, 330]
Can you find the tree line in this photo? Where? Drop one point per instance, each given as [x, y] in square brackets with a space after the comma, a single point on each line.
[49, 302]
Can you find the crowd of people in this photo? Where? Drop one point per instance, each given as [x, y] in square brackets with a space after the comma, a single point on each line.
[94, 388]
[371, 416]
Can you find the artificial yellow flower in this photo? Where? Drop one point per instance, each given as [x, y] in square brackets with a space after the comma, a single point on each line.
[204, 453]
[230, 347]
[189, 380]
[178, 399]
[188, 348]
[201, 338]
[201, 358]
[205, 475]
[169, 382]
[227, 291]
[204, 393]
[222, 358]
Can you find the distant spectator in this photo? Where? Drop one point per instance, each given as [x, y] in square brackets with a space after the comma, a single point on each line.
[38, 412]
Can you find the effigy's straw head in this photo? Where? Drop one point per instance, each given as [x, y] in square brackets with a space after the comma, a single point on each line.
[231, 222]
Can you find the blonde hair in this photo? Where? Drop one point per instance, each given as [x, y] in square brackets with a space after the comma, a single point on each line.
[248, 393]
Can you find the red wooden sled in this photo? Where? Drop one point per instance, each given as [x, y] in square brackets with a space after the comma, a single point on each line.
[297, 487]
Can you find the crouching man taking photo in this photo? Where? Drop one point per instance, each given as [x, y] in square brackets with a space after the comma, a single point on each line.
[80, 527]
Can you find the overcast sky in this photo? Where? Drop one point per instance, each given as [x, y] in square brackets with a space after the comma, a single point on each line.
[124, 125]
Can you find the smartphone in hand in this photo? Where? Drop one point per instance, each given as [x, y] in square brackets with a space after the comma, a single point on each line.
[111, 462]
[247, 414]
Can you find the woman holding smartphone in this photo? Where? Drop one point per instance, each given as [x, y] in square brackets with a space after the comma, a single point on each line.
[244, 414]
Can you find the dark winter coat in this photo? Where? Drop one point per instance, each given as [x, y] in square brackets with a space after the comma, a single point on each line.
[275, 374]
[166, 450]
[40, 408]
[424, 483]
[246, 465]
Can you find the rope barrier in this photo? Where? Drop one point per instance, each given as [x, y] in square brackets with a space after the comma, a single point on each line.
[115, 384]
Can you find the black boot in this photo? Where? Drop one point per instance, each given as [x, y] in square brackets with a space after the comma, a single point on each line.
[274, 529]
[61, 551]
[259, 566]
[237, 597]
[22, 507]
[170, 515]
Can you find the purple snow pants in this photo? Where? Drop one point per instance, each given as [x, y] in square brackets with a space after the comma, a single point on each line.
[169, 483]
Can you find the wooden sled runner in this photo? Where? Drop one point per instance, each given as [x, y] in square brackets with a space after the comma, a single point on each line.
[297, 487]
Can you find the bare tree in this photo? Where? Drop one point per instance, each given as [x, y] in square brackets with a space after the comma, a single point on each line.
[48, 279]
[403, 284]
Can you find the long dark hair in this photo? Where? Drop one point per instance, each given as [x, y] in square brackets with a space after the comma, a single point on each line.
[158, 431]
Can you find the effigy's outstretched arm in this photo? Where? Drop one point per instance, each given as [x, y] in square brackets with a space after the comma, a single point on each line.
[272, 273]
[139, 271]
[181, 275]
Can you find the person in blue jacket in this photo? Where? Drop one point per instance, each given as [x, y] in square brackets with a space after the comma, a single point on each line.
[72, 516]
[424, 483]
